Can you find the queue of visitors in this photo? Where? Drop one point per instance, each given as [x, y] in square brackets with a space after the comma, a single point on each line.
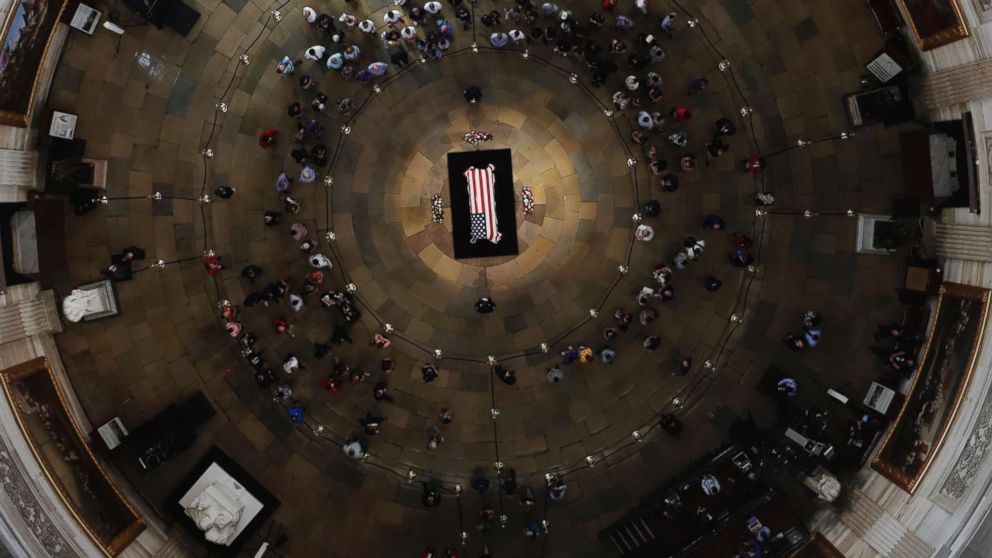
[425, 32]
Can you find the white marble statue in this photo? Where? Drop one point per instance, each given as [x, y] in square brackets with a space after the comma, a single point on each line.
[216, 511]
[826, 486]
[81, 303]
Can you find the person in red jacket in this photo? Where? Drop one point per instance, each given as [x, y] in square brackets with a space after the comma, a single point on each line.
[212, 264]
[755, 165]
[268, 138]
[280, 326]
[681, 114]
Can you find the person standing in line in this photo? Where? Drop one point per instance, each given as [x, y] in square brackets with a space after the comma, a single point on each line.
[371, 423]
[668, 23]
[651, 343]
[316, 52]
[698, 85]
[715, 222]
[380, 392]
[250, 272]
[291, 364]
[429, 373]
[287, 66]
[354, 449]
[268, 138]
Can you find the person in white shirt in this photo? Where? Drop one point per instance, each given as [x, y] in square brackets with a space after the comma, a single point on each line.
[409, 34]
[354, 449]
[644, 120]
[646, 294]
[432, 7]
[642, 5]
[694, 248]
[319, 261]
[656, 53]
[291, 364]
[621, 100]
[309, 14]
[644, 232]
[348, 20]
[710, 485]
[316, 52]
[392, 16]
[517, 36]
[366, 26]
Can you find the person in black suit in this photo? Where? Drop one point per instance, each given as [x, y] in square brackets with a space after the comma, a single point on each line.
[473, 94]
[120, 264]
[485, 305]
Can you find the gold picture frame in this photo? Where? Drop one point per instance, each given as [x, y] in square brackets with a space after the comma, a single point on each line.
[40, 409]
[935, 22]
[943, 372]
[25, 55]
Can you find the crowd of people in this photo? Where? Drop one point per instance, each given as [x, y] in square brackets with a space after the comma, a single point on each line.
[601, 42]
[352, 47]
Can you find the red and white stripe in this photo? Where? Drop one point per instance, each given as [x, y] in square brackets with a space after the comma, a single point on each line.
[482, 198]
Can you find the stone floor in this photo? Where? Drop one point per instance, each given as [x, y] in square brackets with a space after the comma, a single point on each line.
[148, 105]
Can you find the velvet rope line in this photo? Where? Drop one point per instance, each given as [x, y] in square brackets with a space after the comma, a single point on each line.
[346, 130]
[757, 226]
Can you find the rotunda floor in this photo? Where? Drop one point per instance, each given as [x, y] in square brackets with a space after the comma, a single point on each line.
[791, 65]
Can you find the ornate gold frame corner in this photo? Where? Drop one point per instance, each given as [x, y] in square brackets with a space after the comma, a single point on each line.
[947, 36]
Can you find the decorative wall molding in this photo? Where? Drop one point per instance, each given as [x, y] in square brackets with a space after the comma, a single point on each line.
[984, 9]
[987, 137]
[28, 318]
[31, 511]
[972, 455]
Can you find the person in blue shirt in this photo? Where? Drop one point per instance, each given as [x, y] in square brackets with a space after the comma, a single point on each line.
[788, 386]
[296, 413]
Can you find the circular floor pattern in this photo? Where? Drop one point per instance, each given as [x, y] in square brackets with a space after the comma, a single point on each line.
[386, 170]
[166, 344]
[563, 148]
[569, 152]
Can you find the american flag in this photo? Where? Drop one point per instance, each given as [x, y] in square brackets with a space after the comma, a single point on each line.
[482, 204]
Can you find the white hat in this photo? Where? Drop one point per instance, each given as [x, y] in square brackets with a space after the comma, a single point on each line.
[309, 14]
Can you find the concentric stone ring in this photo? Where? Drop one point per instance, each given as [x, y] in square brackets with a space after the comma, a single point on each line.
[570, 248]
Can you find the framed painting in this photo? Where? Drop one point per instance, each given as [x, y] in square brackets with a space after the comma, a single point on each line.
[27, 33]
[945, 368]
[68, 463]
[935, 22]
